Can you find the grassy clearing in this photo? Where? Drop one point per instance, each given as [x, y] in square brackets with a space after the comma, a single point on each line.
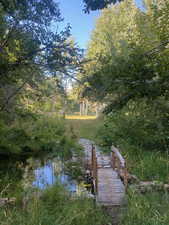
[77, 117]
[84, 126]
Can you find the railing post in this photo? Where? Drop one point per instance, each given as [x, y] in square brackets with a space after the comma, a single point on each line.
[119, 163]
[96, 177]
[113, 160]
[125, 176]
[92, 159]
[94, 168]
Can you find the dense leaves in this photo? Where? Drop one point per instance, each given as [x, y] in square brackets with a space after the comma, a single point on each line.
[30, 49]
[97, 4]
[128, 65]
[36, 136]
[34, 59]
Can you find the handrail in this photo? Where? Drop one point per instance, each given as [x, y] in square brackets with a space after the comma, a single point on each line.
[94, 168]
[119, 163]
[118, 155]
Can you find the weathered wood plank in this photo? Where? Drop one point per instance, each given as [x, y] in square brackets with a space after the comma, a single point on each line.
[111, 190]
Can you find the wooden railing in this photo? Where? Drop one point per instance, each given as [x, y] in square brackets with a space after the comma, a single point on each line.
[94, 168]
[118, 163]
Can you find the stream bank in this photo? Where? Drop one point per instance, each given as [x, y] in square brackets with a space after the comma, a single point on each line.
[55, 205]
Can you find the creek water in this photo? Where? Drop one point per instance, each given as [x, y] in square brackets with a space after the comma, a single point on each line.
[52, 172]
[44, 173]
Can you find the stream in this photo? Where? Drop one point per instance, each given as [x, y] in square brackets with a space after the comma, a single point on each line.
[50, 173]
[41, 173]
[44, 173]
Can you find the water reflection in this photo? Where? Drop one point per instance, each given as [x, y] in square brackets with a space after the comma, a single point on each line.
[51, 172]
[41, 174]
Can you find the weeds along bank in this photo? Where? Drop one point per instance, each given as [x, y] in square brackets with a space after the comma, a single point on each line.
[147, 209]
[55, 207]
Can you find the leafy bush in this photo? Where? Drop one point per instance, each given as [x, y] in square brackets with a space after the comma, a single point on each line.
[141, 132]
[138, 124]
[31, 137]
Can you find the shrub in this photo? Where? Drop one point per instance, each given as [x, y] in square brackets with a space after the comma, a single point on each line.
[36, 136]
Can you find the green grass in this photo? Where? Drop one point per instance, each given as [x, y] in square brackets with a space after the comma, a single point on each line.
[147, 209]
[55, 207]
[146, 165]
[84, 127]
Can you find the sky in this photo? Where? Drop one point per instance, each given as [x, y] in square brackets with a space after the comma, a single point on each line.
[82, 24]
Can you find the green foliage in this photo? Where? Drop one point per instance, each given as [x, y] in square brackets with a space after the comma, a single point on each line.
[148, 209]
[36, 136]
[127, 69]
[141, 133]
[91, 5]
[10, 178]
[124, 55]
[138, 125]
[85, 128]
[56, 207]
[147, 165]
[31, 51]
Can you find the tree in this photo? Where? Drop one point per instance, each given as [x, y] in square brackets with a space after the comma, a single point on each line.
[91, 5]
[128, 64]
[121, 62]
[30, 50]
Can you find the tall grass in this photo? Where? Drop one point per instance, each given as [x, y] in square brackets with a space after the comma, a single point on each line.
[148, 209]
[147, 165]
[55, 207]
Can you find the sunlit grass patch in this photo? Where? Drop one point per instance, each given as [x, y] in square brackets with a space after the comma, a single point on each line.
[78, 117]
[84, 126]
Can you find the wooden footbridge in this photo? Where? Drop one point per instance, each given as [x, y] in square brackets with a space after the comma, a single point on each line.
[109, 174]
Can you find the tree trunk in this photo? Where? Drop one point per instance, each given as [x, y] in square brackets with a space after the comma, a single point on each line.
[87, 107]
[80, 109]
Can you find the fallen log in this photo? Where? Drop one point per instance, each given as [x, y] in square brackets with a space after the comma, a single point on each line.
[150, 186]
[131, 179]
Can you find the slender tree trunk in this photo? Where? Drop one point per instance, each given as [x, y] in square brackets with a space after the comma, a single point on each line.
[97, 111]
[87, 107]
[83, 108]
[80, 109]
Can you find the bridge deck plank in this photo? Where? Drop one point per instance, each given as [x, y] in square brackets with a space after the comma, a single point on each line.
[111, 190]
